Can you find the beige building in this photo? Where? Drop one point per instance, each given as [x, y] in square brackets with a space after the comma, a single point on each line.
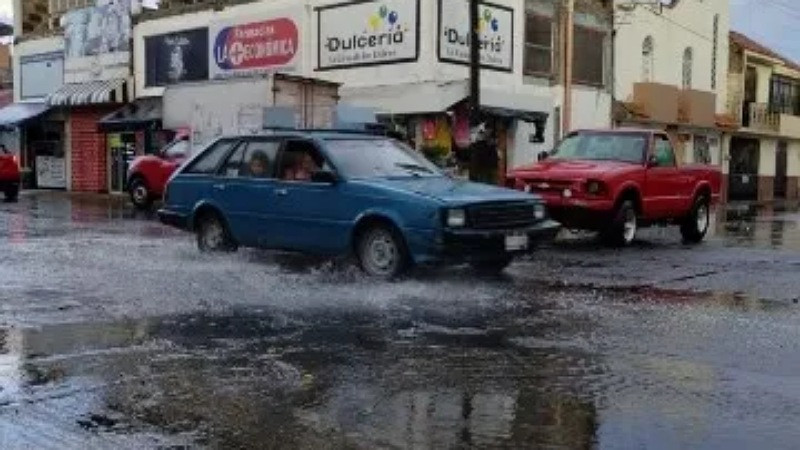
[763, 158]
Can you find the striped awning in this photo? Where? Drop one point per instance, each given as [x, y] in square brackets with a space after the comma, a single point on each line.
[89, 93]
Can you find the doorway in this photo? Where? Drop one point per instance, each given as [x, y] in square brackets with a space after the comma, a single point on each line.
[121, 151]
[743, 177]
[781, 162]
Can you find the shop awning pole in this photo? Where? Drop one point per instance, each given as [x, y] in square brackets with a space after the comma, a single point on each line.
[474, 64]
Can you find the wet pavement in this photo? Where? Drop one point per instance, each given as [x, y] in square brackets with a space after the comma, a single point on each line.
[116, 333]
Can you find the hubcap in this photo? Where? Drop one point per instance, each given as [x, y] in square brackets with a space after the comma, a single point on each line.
[702, 218]
[629, 227]
[140, 193]
[381, 252]
[213, 235]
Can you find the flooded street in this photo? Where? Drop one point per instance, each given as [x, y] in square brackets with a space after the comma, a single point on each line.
[116, 333]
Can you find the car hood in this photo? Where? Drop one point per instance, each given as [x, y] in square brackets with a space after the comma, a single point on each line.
[572, 169]
[451, 191]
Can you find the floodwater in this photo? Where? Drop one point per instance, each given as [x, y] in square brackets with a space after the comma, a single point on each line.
[116, 333]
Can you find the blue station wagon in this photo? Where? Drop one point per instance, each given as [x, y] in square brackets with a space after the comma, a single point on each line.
[334, 193]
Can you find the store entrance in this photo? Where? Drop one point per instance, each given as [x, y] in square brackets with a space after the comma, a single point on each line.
[121, 151]
[45, 146]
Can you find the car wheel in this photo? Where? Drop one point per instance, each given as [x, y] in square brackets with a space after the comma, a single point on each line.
[695, 226]
[213, 234]
[12, 194]
[624, 225]
[382, 252]
[491, 266]
[140, 194]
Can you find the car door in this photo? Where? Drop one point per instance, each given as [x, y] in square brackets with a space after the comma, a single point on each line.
[194, 184]
[310, 216]
[662, 186]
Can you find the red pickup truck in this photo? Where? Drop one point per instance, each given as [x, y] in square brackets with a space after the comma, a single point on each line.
[9, 176]
[148, 174]
[617, 181]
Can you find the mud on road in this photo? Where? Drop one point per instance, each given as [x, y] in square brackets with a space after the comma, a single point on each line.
[116, 333]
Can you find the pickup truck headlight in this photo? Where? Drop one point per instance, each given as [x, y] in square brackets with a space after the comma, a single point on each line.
[539, 211]
[594, 187]
[456, 218]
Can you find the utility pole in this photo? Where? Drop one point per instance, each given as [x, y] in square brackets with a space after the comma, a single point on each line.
[569, 52]
[474, 65]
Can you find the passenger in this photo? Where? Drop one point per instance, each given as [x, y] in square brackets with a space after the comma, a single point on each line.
[302, 167]
[258, 165]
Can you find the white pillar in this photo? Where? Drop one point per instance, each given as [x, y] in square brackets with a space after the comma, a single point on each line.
[766, 162]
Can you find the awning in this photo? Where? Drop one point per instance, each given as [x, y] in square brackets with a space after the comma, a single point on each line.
[143, 113]
[89, 93]
[435, 97]
[17, 113]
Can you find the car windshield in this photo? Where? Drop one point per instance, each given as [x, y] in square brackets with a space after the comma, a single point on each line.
[370, 158]
[602, 147]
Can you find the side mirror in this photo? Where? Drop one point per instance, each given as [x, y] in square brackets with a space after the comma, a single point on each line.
[324, 176]
[542, 156]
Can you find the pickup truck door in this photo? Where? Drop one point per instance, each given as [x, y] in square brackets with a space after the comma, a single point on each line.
[665, 186]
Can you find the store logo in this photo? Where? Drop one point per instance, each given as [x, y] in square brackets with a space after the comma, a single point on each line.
[383, 29]
[488, 29]
[257, 45]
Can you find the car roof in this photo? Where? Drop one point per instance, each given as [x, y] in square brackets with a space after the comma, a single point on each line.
[310, 134]
[619, 131]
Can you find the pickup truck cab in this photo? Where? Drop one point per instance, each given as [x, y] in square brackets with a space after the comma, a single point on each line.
[338, 193]
[148, 174]
[617, 181]
[9, 176]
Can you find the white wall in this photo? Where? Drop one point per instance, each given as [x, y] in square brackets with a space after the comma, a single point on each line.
[29, 48]
[688, 24]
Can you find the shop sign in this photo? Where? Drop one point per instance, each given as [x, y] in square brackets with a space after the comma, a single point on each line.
[266, 46]
[496, 26]
[367, 33]
[51, 172]
[97, 41]
[176, 57]
[41, 75]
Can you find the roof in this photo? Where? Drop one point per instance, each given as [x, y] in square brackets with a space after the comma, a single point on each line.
[749, 44]
[90, 92]
[16, 113]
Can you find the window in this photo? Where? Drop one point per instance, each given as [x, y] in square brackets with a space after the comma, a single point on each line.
[369, 158]
[785, 96]
[260, 157]
[232, 166]
[589, 56]
[178, 149]
[688, 61]
[714, 46]
[647, 59]
[210, 159]
[664, 155]
[702, 150]
[300, 159]
[624, 147]
[538, 58]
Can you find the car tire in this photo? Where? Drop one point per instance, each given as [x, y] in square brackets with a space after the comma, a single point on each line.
[491, 266]
[140, 193]
[624, 225]
[695, 226]
[382, 252]
[12, 194]
[213, 235]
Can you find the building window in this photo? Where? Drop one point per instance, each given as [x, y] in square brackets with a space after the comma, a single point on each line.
[688, 58]
[647, 59]
[714, 46]
[589, 56]
[785, 96]
[538, 45]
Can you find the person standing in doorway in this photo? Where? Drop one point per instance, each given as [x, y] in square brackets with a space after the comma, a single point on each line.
[483, 157]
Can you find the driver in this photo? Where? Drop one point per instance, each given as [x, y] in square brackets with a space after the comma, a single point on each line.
[304, 166]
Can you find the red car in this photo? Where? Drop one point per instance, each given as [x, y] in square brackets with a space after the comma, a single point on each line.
[148, 174]
[9, 175]
[618, 181]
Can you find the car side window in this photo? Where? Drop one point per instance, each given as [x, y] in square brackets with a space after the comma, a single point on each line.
[210, 159]
[178, 149]
[260, 157]
[233, 165]
[300, 159]
[663, 152]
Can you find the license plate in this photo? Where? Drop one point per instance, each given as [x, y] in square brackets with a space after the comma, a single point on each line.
[516, 242]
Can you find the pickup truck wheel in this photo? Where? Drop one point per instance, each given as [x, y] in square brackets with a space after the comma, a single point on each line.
[491, 266]
[12, 194]
[696, 224]
[382, 252]
[140, 194]
[213, 235]
[624, 225]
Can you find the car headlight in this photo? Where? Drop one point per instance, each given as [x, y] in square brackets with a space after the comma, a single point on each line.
[595, 187]
[539, 211]
[456, 218]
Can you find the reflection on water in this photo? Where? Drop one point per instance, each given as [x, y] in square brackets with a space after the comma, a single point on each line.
[759, 226]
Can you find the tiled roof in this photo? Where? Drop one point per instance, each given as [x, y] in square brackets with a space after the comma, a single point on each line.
[748, 44]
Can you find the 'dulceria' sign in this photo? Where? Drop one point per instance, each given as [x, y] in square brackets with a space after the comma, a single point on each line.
[496, 29]
[368, 33]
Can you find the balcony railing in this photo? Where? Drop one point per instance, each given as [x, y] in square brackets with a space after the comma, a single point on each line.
[758, 116]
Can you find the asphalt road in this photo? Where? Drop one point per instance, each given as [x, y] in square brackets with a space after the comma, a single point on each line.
[116, 333]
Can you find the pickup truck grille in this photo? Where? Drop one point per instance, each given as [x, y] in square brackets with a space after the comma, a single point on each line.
[501, 215]
[547, 185]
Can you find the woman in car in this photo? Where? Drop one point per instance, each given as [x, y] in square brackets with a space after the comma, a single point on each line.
[301, 167]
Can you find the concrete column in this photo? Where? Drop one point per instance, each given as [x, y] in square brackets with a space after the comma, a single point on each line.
[793, 170]
[763, 83]
[766, 169]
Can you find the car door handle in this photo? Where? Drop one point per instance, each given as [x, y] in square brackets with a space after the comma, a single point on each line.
[281, 192]
[219, 187]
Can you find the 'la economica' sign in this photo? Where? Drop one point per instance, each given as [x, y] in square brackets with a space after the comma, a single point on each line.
[367, 33]
[496, 26]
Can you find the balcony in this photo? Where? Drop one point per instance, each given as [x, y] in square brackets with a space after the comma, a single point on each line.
[668, 104]
[761, 117]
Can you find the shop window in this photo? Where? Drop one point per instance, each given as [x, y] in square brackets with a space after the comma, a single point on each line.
[538, 58]
[589, 56]
[647, 59]
[688, 62]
